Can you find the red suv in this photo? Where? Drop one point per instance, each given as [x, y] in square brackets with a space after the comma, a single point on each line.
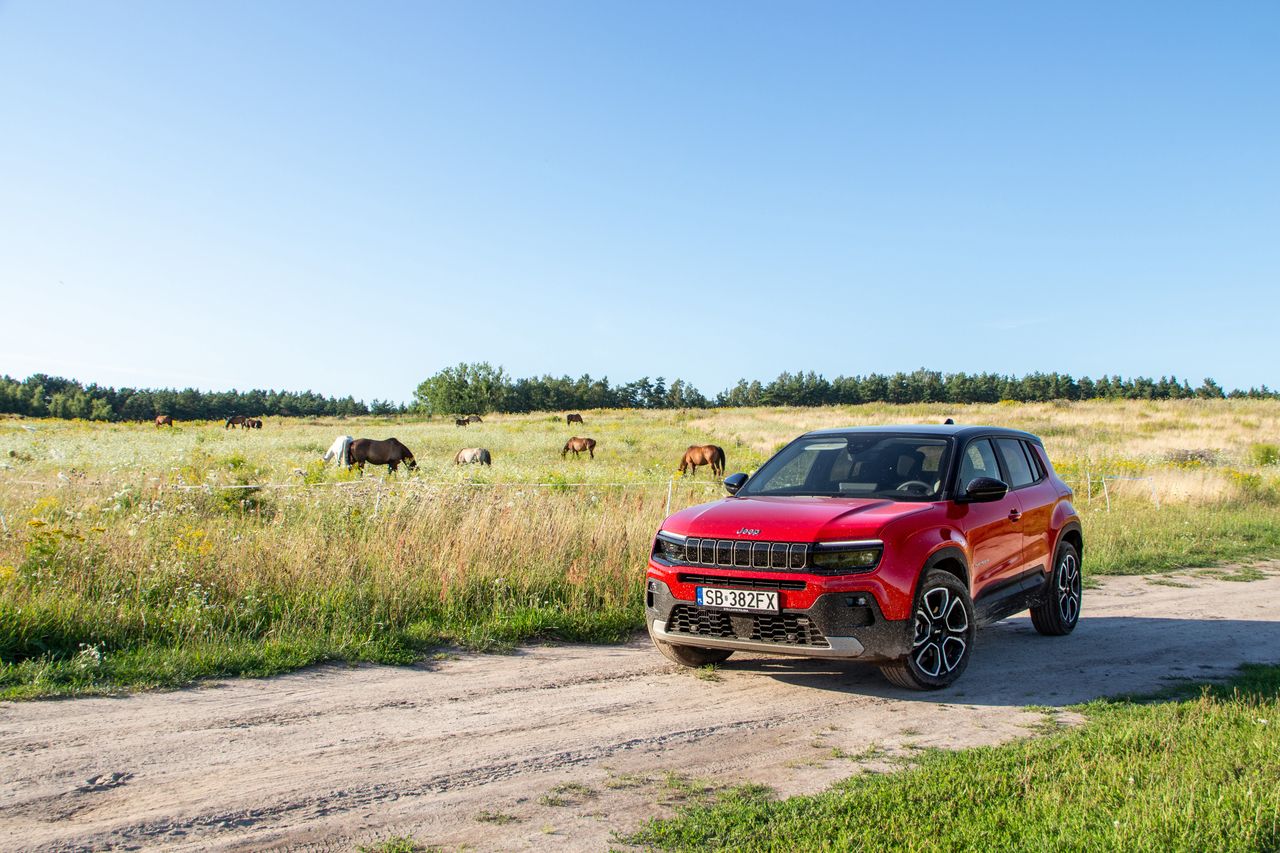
[884, 544]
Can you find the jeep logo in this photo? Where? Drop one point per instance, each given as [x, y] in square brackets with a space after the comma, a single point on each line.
[748, 531]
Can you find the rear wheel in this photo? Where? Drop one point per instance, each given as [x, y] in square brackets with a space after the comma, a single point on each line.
[943, 629]
[690, 655]
[1060, 611]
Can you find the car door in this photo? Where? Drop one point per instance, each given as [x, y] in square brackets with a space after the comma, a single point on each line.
[1036, 496]
[992, 529]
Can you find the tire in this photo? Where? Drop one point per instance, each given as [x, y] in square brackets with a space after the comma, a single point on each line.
[943, 631]
[1059, 613]
[691, 656]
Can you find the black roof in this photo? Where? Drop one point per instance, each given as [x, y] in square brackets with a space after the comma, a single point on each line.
[961, 431]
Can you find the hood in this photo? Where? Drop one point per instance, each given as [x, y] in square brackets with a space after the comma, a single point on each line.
[787, 519]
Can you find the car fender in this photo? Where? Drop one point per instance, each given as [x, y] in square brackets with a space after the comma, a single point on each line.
[1065, 519]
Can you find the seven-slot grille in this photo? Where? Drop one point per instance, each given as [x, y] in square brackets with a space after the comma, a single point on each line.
[744, 554]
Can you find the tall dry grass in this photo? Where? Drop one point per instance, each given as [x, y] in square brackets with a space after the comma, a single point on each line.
[125, 559]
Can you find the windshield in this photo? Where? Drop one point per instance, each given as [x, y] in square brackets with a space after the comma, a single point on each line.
[856, 465]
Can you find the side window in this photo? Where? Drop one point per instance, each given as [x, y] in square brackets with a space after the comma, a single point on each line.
[1015, 460]
[1037, 467]
[979, 461]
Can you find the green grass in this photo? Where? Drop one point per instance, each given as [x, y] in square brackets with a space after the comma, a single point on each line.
[1187, 771]
[122, 573]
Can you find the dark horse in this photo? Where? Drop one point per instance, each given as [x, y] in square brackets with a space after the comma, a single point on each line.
[253, 423]
[389, 452]
[474, 419]
[461, 421]
[163, 420]
[704, 454]
[572, 419]
[235, 420]
[577, 445]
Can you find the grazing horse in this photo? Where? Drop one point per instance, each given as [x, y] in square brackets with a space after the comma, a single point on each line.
[235, 420]
[389, 452]
[163, 420]
[474, 419]
[339, 451]
[253, 423]
[461, 421]
[473, 456]
[573, 419]
[577, 445]
[703, 454]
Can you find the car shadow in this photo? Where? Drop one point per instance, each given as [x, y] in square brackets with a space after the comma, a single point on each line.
[1014, 665]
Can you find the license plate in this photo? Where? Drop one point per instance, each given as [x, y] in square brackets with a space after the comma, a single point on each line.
[738, 599]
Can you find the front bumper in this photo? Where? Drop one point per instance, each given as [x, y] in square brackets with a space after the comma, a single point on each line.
[837, 625]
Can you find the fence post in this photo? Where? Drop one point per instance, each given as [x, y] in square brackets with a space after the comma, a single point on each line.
[1088, 478]
[1154, 498]
[1106, 493]
[670, 484]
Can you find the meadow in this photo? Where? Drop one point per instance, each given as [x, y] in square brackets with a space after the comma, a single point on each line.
[138, 556]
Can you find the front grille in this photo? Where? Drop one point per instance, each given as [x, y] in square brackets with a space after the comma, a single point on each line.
[740, 554]
[740, 583]
[786, 629]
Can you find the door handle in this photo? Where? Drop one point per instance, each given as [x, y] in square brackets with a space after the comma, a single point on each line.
[1014, 515]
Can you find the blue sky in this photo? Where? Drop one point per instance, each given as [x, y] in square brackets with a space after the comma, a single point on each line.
[350, 197]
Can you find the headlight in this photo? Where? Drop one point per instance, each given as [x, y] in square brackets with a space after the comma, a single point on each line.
[669, 546]
[847, 556]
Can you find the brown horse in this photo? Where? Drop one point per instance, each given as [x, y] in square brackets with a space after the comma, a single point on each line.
[163, 420]
[577, 445]
[253, 423]
[461, 421]
[703, 454]
[389, 452]
[572, 419]
[474, 419]
[235, 420]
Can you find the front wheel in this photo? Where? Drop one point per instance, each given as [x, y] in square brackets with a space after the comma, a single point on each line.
[691, 656]
[943, 630]
[1060, 611]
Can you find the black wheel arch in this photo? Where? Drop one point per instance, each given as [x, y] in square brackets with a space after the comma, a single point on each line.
[951, 560]
[1073, 533]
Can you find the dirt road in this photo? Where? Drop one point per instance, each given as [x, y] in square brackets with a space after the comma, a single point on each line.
[557, 747]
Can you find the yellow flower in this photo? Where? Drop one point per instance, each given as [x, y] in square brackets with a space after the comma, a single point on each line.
[37, 522]
[7, 573]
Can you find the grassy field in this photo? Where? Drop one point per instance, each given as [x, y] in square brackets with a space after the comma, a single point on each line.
[130, 555]
[1198, 772]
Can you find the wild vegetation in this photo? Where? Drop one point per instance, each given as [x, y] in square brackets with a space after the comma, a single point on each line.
[1184, 772]
[131, 555]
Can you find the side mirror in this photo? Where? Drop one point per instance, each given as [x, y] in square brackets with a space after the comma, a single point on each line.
[734, 482]
[983, 490]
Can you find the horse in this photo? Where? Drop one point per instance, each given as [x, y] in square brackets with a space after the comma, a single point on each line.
[577, 445]
[473, 456]
[573, 419]
[703, 454]
[253, 423]
[340, 451]
[235, 420]
[474, 419]
[389, 452]
[163, 420]
[461, 421]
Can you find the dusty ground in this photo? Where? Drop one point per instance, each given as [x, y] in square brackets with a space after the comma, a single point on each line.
[334, 757]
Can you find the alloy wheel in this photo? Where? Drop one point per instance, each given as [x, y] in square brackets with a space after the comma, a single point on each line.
[1069, 589]
[941, 632]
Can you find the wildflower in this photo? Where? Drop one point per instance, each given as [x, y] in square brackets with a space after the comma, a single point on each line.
[7, 573]
[37, 522]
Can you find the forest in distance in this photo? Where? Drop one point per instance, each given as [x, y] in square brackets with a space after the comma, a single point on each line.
[482, 388]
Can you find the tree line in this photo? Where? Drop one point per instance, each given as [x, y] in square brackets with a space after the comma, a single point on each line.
[481, 388]
[56, 397]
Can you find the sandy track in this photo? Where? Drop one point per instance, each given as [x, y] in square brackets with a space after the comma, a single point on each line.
[334, 756]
